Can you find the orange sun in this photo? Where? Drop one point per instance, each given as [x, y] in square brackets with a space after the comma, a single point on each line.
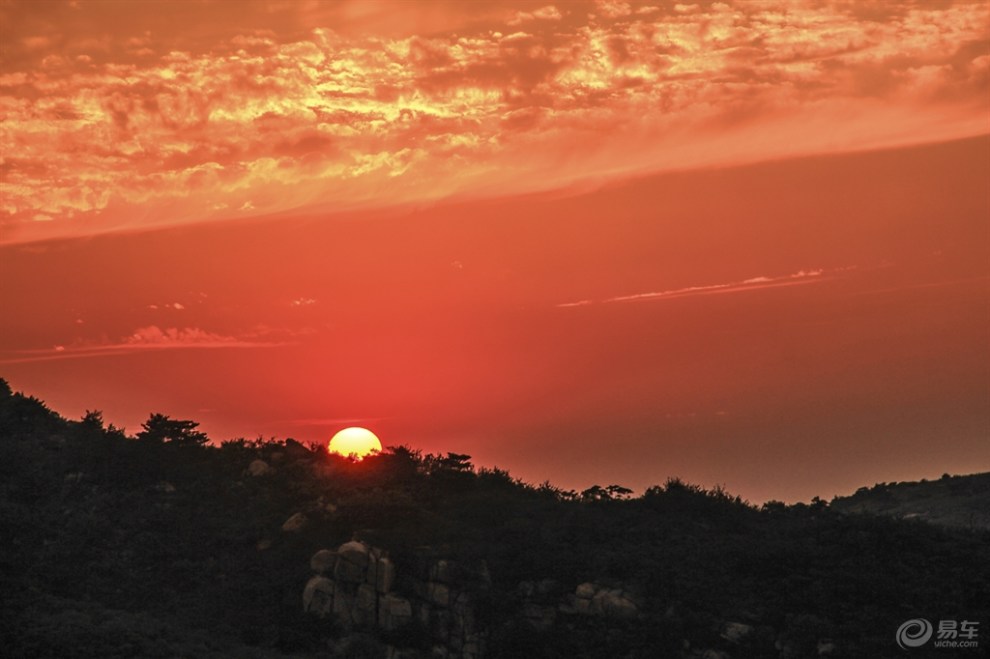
[357, 443]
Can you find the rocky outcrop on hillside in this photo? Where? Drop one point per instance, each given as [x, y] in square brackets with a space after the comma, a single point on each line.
[595, 599]
[360, 588]
[356, 586]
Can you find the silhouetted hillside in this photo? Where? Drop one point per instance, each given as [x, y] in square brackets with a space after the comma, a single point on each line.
[960, 501]
[161, 545]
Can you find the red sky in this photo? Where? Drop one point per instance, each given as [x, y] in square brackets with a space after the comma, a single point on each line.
[742, 243]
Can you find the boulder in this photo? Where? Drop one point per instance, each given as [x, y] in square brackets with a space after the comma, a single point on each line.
[355, 552]
[393, 612]
[348, 572]
[323, 561]
[371, 573]
[343, 607]
[295, 523]
[615, 603]
[582, 605]
[715, 654]
[594, 599]
[330, 507]
[585, 591]
[367, 598]
[462, 613]
[423, 613]
[258, 468]
[827, 648]
[438, 594]
[352, 562]
[442, 571]
[735, 632]
[318, 596]
[385, 575]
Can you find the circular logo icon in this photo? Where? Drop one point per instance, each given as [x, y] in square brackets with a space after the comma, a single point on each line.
[914, 633]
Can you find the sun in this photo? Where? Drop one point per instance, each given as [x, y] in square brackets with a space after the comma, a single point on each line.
[357, 443]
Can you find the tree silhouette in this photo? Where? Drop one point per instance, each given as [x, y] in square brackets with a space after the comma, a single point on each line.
[92, 420]
[160, 428]
[457, 462]
[618, 492]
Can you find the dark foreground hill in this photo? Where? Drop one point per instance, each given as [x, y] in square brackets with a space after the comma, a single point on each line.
[960, 501]
[161, 545]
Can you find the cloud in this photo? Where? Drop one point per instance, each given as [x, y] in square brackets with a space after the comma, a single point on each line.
[147, 338]
[285, 113]
[613, 8]
[752, 284]
[548, 13]
[185, 337]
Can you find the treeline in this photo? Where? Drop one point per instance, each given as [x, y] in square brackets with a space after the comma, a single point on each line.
[163, 544]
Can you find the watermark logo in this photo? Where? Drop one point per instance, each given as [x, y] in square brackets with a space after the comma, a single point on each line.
[951, 634]
[914, 633]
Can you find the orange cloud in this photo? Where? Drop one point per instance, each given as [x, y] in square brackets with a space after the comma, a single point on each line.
[145, 122]
[150, 337]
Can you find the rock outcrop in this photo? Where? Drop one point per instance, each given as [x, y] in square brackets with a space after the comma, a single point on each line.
[435, 600]
[735, 632]
[595, 599]
[295, 523]
[356, 586]
[258, 468]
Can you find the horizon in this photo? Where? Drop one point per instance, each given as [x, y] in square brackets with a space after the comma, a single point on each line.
[354, 460]
[742, 244]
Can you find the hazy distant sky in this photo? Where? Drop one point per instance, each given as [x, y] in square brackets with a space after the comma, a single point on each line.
[594, 242]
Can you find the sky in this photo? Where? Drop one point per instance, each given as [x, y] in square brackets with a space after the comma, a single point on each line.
[740, 243]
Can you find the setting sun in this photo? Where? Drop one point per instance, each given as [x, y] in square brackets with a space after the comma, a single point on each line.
[720, 233]
[355, 442]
